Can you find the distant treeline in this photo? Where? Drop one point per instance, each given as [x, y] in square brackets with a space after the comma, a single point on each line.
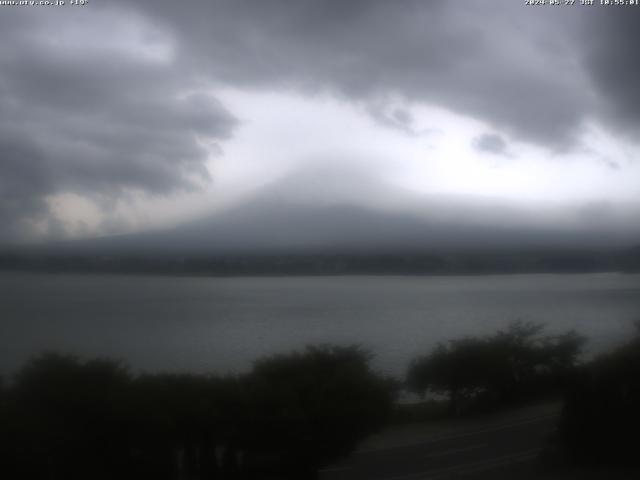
[331, 263]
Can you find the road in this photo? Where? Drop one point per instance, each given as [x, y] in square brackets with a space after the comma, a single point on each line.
[459, 449]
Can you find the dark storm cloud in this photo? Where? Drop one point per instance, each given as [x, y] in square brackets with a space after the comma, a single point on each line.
[97, 101]
[611, 56]
[397, 119]
[499, 62]
[490, 143]
[24, 181]
[93, 119]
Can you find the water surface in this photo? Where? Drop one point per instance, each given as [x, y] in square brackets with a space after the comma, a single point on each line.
[223, 324]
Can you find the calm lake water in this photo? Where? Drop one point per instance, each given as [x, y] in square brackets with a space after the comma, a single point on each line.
[223, 324]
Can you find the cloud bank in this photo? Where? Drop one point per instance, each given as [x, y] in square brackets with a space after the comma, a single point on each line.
[117, 98]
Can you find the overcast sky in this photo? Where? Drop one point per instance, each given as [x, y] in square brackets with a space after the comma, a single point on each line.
[118, 116]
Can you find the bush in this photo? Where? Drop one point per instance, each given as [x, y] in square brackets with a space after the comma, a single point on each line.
[508, 366]
[67, 418]
[315, 406]
[601, 415]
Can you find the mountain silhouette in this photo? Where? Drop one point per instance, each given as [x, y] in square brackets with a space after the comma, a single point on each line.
[313, 211]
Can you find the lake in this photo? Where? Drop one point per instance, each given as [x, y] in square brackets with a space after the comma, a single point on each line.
[223, 324]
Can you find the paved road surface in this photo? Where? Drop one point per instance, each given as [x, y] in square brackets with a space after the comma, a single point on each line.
[450, 450]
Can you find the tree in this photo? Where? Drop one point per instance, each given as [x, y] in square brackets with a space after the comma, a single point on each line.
[455, 369]
[66, 418]
[600, 418]
[178, 420]
[507, 365]
[309, 408]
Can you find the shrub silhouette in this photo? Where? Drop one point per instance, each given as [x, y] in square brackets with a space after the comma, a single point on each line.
[63, 418]
[313, 407]
[600, 418]
[508, 366]
[177, 421]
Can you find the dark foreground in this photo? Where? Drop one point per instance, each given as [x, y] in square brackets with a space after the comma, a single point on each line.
[513, 445]
[300, 416]
[454, 448]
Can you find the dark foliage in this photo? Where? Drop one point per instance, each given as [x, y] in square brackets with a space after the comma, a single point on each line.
[509, 366]
[313, 407]
[63, 418]
[601, 415]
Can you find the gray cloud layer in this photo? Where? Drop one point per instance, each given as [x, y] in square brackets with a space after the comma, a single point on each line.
[533, 73]
[514, 68]
[84, 112]
[93, 120]
[612, 60]
[490, 143]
